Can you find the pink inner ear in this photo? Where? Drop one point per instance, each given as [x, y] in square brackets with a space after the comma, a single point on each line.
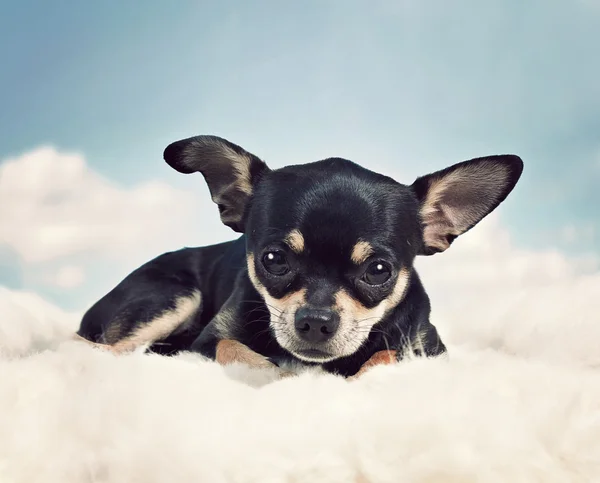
[460, 199]
[435, 234]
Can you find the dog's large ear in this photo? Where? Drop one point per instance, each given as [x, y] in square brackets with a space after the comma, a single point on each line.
[455, 199]
[230, 172]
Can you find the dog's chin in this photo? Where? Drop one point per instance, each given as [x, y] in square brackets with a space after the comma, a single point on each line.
[319, 354]
[313, 355]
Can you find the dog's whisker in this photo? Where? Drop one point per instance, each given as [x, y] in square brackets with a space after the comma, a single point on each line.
[256, 310]
[367, 318]
[263, 306]
[264, 331]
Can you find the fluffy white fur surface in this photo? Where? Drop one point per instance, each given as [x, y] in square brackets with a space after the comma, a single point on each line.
[500, 409]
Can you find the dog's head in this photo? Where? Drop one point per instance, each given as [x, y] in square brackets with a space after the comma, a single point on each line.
[331, 245]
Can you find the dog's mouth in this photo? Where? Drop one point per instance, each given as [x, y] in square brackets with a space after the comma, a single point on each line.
[340, 345]
[314, 355]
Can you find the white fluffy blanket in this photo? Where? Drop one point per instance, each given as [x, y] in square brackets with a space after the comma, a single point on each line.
[513, 403]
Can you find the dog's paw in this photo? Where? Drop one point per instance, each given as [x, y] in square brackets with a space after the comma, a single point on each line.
[379, 358]
[232, 352]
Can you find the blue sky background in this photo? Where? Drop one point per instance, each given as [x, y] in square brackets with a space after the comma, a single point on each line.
[399, 86]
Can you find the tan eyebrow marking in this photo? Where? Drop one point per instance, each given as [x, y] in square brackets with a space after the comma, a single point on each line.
[361, 251]
[295, 241]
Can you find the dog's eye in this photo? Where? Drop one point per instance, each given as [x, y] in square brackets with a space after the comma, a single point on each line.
[377, 273]
[275, 263]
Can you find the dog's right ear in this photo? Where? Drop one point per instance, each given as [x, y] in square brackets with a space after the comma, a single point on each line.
[230, 172]
[455, 199]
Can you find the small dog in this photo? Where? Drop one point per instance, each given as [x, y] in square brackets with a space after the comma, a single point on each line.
[322, 274]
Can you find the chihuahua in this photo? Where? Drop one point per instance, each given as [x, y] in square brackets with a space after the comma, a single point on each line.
[322, 274]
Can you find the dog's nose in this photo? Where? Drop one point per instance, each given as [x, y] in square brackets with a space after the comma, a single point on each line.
[316, 325]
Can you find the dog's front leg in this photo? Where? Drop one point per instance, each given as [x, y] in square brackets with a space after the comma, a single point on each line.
[220, 339]
[424, 341]
[384, 357]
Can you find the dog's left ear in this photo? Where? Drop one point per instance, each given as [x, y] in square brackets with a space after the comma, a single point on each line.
[230, 172]
[455, 199]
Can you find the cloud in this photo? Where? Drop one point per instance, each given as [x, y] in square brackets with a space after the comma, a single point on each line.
[572, 233]
[69, 276]
[487, 292]
[29, 322]
[62, 220]
[54, 206]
